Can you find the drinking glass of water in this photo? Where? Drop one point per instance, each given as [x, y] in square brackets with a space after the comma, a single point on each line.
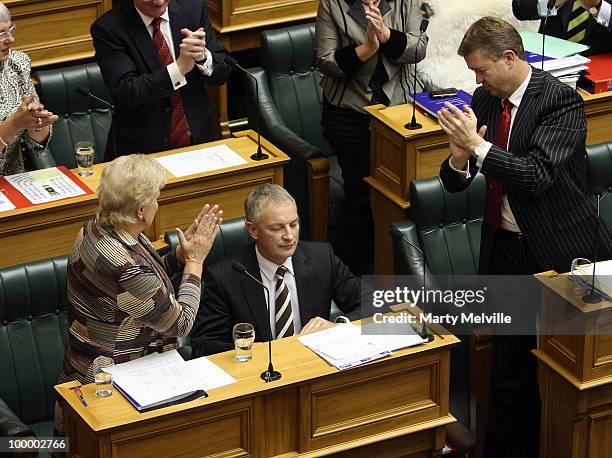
[104, 380]
[578, 268]
[244, 336]
[84, 157]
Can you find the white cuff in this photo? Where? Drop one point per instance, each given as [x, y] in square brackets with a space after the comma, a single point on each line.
[207, 67]
[464, 173]
[177, 78]
[481, 152]
[603, 18]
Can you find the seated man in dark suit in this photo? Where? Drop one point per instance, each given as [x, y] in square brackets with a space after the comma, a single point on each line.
[581, 21]
[303, 278]
[155, 56]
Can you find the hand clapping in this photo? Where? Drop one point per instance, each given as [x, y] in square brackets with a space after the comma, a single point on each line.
[32, 115]
[197, 240]
[191, 49]
[375, 20]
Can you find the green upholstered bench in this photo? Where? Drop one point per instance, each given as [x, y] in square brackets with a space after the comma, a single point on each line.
[34, 318]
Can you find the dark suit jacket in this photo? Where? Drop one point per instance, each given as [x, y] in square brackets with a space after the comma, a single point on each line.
[598, 37]
[545, 171]
[229, 297]
[141, 87]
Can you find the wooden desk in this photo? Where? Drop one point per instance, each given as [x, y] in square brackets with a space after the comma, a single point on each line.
[575, 373]
[396, 406]
[399, 155]
[55, 31]
[49, 230]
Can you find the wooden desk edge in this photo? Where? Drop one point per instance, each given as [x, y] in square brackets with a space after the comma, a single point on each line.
[552, 279]
[571, 378]
[249, 26]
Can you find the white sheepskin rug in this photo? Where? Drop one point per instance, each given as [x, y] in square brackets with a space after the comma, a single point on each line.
[442, 67]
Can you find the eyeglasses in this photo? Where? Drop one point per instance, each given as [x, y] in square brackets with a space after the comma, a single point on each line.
[10, 31]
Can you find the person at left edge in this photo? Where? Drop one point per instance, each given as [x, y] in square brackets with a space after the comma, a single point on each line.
[155, 56]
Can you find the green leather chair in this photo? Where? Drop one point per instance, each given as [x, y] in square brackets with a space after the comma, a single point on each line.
[80, 118]
[446, 227]
[34, 319]
[290, 101]
[600, 177]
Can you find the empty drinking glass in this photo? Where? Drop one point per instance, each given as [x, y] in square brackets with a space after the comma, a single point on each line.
[104, 380]
[244, 336]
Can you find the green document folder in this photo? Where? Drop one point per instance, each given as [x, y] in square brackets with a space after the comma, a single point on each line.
[553, 46]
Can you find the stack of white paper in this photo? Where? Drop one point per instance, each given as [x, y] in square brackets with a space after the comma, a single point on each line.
[162, 378]
[345, 347]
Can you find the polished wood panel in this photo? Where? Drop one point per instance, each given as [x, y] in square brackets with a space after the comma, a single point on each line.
[312, 410]
[399, 155]
[55, 31]
[575, 372]
[47, 230]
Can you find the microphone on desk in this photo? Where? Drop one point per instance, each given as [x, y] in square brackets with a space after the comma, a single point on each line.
[259, 155]
[592, 296]
[423, 334]
[413, 125]
[269, 375]
[85, 93]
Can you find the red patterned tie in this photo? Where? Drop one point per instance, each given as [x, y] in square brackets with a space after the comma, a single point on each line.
[179, 130]
[495, 189]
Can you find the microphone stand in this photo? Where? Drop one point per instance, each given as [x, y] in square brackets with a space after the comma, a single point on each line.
[593, 297]
[423, 334]
[259, 155]
[269, 375]
[413, 125]
[549, 7]
[85, 93]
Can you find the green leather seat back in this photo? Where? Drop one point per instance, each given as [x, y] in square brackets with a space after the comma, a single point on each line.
[448, 224]
[288, 57]
[600, 177]
[80, 118]
[34, 320]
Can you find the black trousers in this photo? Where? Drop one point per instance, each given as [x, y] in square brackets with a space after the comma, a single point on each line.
[348, 134]
[514, 408]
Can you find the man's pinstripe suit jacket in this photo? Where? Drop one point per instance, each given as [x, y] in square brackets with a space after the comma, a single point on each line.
[545, 171]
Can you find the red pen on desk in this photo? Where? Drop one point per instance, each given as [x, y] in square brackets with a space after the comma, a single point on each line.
[79, 393]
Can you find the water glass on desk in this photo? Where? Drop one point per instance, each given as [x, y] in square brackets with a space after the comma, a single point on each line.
[84, 156]
[104, 380]
[578, 263]
[244, 336]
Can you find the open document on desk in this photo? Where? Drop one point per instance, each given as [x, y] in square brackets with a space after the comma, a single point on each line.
[201, 160]
[344, 346]
[162, 379]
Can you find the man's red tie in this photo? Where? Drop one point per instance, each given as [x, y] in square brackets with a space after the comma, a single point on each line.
[179, 129]
[495, 189]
